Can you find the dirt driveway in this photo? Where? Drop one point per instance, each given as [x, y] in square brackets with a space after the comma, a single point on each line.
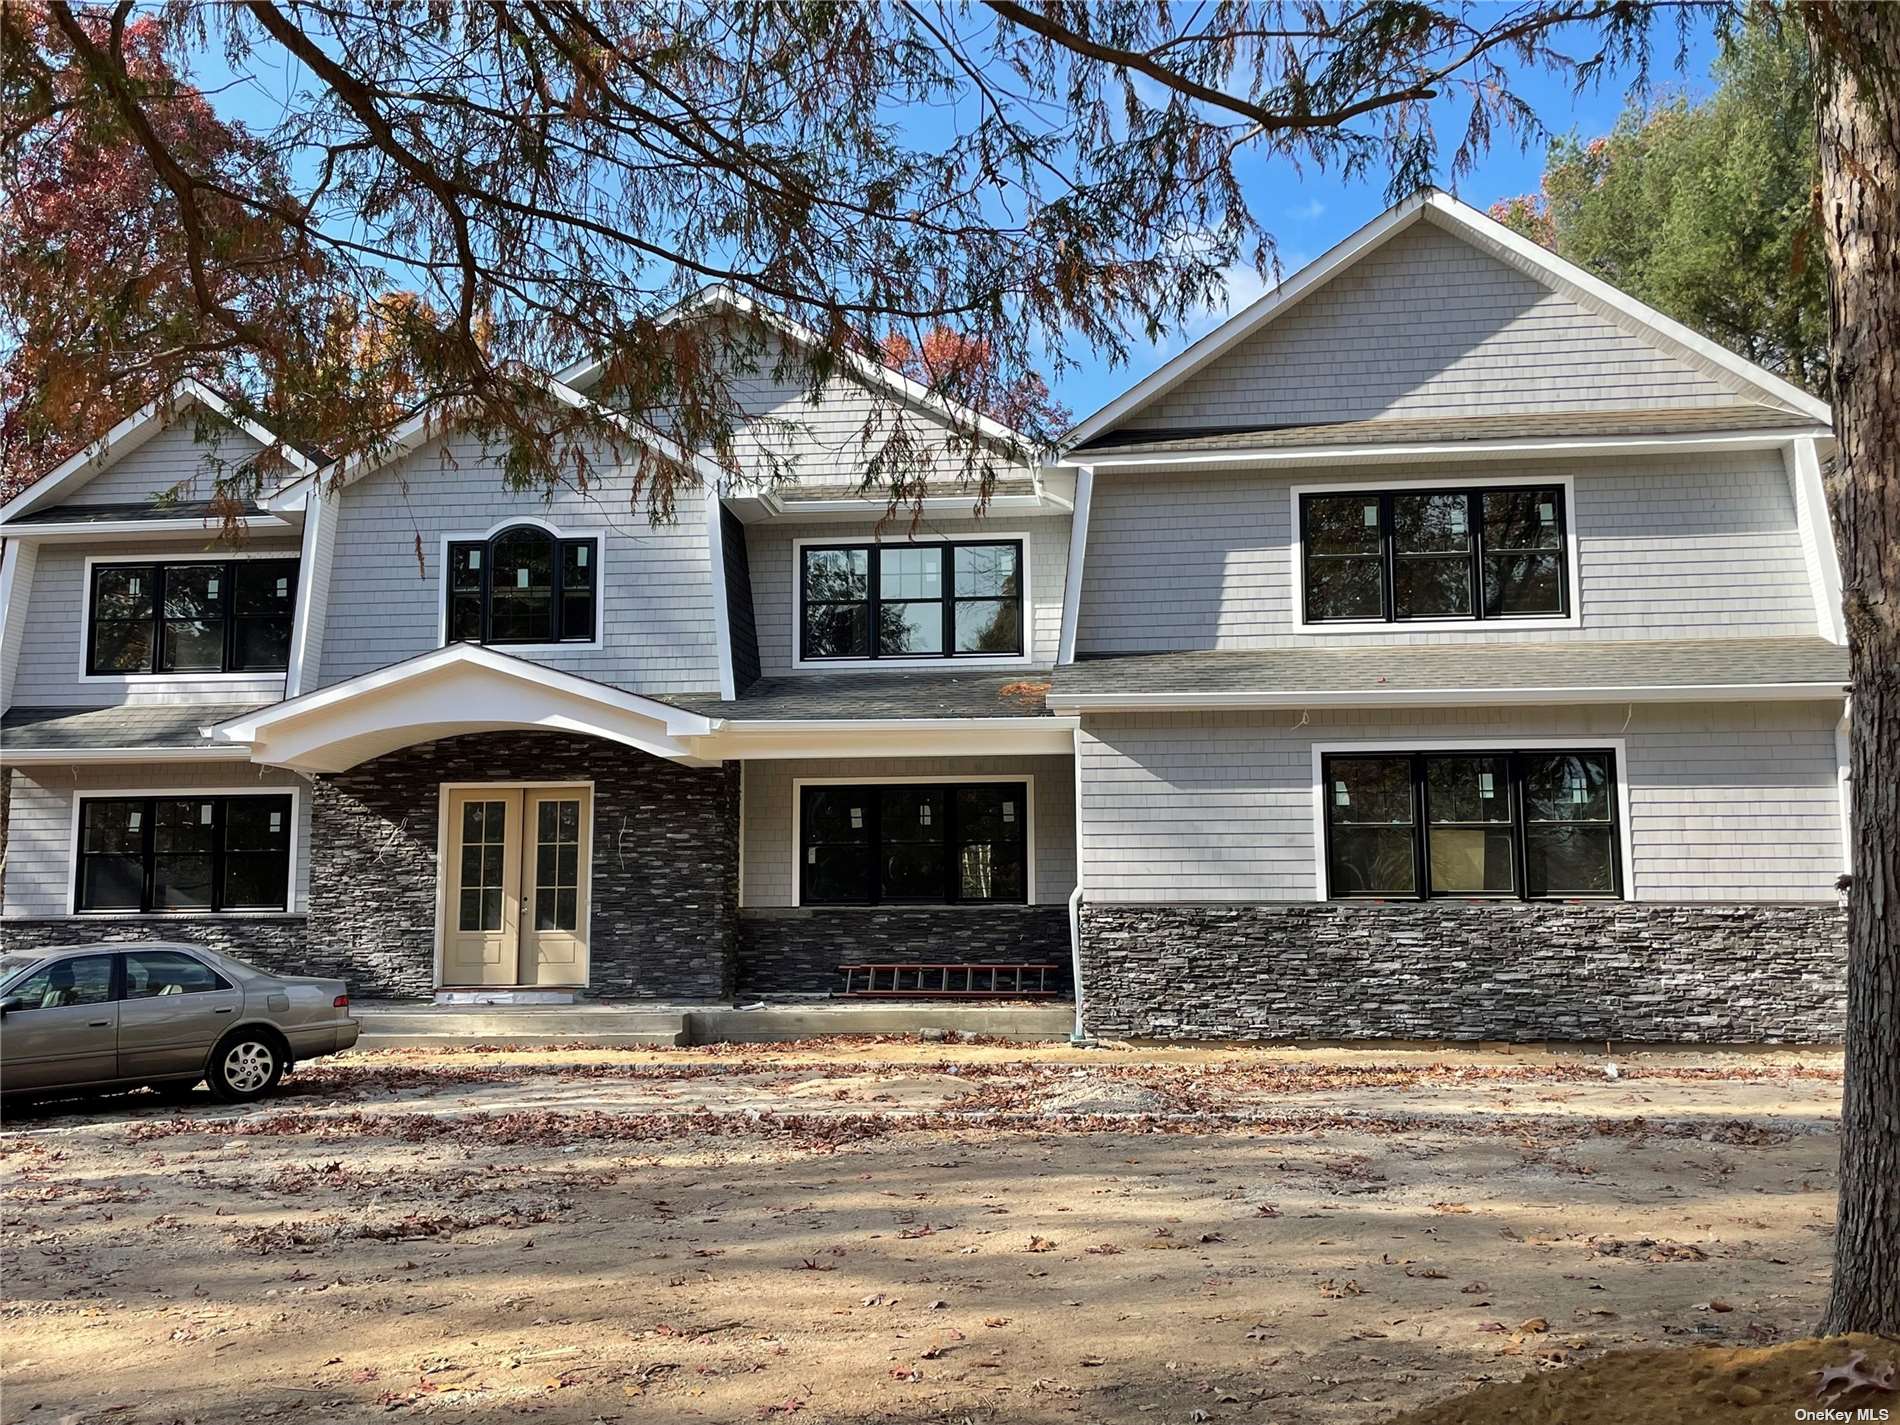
[882, 1232]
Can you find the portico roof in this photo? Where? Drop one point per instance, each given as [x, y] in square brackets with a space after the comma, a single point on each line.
[447, 692]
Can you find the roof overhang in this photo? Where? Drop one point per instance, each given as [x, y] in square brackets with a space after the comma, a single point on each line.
[1185, 701]
[127, 436]
[1437, 452]
[94, 531]
[763, 506]
[449, 692]
[768, 739]
[112, 756]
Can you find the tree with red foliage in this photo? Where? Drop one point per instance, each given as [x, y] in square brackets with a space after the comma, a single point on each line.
[964, 369]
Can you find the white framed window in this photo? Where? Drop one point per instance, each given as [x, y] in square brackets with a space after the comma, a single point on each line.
[184, 851]
[883, 841]
[522, 584]
[186, 618]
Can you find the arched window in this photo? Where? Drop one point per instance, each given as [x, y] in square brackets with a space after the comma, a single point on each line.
[523, 585]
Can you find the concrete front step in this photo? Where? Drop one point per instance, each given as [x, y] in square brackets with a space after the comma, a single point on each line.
[399, 1025]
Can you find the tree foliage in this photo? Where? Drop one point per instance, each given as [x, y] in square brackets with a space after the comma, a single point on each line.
[1706, 210]
[552, 178]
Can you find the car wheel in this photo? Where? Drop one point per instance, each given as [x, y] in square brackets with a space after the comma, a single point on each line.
[245, 1067]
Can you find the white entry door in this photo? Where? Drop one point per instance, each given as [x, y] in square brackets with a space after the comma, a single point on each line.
[515, 887]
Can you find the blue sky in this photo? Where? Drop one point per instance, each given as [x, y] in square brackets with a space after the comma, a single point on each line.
[1308, 213]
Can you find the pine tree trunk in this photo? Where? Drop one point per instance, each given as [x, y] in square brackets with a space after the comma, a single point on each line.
[1859, 130]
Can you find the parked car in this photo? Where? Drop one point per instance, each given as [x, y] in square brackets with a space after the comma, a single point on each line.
[117, 1016]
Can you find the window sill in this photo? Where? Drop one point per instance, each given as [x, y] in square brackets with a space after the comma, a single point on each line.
[142, 680]
[1533, 622]
[908, 665]
[160, 916]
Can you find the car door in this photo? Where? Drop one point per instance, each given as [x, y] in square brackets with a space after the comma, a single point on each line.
[63, 1030]
[171, 1011]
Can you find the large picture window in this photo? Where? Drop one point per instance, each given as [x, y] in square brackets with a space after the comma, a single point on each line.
[915, 843]
[1393, 556]
[952, 600]
[198, 616]
[183, 854]
[1529, 825]
[523, 585]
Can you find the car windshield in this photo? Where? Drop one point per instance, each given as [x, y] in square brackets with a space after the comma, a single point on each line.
[11, 965]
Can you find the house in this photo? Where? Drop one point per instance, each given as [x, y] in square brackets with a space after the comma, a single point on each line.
[1448, 646]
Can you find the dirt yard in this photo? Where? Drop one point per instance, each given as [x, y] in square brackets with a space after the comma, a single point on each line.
[890, 1232]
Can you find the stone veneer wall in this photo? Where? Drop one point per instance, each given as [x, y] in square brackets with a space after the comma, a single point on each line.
[1446, 970]
[798, 951]
[276, 942]
[665, 862]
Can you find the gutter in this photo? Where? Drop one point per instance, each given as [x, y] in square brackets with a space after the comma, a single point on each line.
[1079, 1035]
[1445, 697]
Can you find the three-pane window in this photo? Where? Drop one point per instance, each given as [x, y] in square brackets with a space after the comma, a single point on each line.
[184, 853]
[917, 843]
[911, 601]
[202, 616]
[1532, 825]
[1396, 555]
[523, 586]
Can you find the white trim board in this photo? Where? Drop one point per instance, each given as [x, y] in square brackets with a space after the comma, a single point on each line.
[1078, 558]
[1372, 746]
[1296, 544]
[1028, 780]
[1816, 525]
[928, 663]
[721, 598]
[1448, 697]
[293, 903]
[1489, 236]
[131, 433]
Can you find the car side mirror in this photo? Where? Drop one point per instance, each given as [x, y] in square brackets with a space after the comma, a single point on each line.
[11, 1002]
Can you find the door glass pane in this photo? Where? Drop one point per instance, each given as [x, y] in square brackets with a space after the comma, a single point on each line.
[1369, 808]
[915, 831]
[151, 973]
[557, 864]
[484, 827]
[87, 980]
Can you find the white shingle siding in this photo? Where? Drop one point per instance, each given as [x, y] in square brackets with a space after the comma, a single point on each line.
[1727, 802]
[53, 646]
[1668, 547]
[769, 549]
[40, 836]
[768, 814]
[1428, 325]
[173, 463]
[656, 612]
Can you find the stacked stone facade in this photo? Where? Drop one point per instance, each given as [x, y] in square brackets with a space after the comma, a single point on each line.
[798, 951]
[1450, 970]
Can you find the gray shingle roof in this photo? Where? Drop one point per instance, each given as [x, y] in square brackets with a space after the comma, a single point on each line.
[156, 726]
[793, 493]
[834, 696]
[1391, 668]
[135, 510]
[1397, 431]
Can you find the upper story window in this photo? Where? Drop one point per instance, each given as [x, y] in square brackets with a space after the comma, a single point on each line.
[1530, 825]
[950, 600]
[1396, 556]
[195, 616]
[523, 585]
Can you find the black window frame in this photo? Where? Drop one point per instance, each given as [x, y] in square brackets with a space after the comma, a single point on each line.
[557, 592]
[1474, 558]
[229, 616]
[148, 854]
[1515, 759]
[874, 805]
[948, 599]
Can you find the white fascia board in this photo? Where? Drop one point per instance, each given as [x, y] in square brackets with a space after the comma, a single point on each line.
[892, 737]
[1449, 697]
[84, 756]
[78, 531]
[721, 599]
[677, 721]
[943, 506]
[132, 432]
[1819, 551]
[1448, 212]
[876, 373]
[1528, 447]
[1250, 319]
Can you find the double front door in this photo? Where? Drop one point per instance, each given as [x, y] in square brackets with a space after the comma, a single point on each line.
[515, 886]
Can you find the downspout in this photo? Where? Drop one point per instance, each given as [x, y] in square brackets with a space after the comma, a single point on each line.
[1079, 1035]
